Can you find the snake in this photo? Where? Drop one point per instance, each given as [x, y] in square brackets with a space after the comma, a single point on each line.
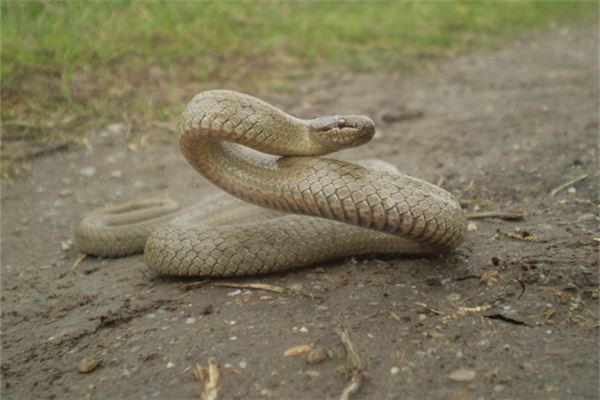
[283, 204]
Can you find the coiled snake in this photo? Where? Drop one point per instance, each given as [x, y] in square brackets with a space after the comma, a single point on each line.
[348, 208]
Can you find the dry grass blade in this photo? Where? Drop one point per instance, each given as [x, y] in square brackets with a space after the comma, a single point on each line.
[210, 378]
[256, 286]
[567, 184]
[353, 365]
[77, 262]
[507, 215]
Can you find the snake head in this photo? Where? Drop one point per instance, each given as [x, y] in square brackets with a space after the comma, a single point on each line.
[332, 133]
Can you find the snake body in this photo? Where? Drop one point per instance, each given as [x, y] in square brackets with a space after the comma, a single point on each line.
[345, 208]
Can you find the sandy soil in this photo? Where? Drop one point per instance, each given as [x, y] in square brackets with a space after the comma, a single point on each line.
[499, 318]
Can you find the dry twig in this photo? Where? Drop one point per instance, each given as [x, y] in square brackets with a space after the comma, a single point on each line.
[210, 378]
[257, 286]
[353, 365]
[567, 184]
[507, 215]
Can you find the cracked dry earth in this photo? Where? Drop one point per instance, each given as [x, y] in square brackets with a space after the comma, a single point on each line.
[513, 313]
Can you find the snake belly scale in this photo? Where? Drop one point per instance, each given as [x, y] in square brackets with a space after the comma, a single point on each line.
[294, 209]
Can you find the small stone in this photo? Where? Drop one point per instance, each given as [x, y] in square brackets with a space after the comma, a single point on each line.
[312, 373]
[422, 317]
[453, 297]
[65, 245]
[243, 364]
[527, 366]
[190, 321]
[303, 329]
[297, 350]
[394, 370]
[317, 355]
[471, 227]
[462, 375]
[87, 365]
[170, 365]
[571, 190]
[65, 192]
[571, 287]
[116, 173]
[584, 270]
[88, 171]
[587, 217]
[499, 388]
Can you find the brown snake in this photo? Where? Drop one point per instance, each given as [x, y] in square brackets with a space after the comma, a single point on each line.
[348, 209]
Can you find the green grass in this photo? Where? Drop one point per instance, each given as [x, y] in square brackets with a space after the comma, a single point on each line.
[82, 64]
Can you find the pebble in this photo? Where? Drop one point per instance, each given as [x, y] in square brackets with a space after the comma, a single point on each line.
[499, 388]
[87, 365]
[88, 171]
[115, 129]
[527, 366]
[462, 375]
[65, 245]
[587, 217]
[394, 370]
[584, 270]
[471, 227]
[297, 350]
[65, 192]
[170, 365]
[453, 297]
[571, 190]
[317, 355]
[243, 364]
[312, 373]
[303, 329]
[190, 321]
[116, 173]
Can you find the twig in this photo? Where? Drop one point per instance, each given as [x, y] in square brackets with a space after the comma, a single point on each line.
[257, 286]
[507, 215]
[195, 285]
[43, 151]
[210, 378]
[523, 236]
[567, 184]
[353, 365]
[472, 202]
[430, 309]
[77, 262]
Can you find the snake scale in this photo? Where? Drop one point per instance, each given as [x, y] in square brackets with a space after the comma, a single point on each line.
[298, 209]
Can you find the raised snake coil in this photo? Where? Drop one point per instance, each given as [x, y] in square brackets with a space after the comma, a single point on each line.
[348, 209]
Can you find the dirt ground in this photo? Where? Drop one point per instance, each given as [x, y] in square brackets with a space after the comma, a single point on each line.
[513, 313]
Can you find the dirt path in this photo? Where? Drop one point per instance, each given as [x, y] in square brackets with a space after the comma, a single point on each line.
[499, 318]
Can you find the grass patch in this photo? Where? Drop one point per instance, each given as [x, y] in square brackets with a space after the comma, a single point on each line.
[68, 67]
